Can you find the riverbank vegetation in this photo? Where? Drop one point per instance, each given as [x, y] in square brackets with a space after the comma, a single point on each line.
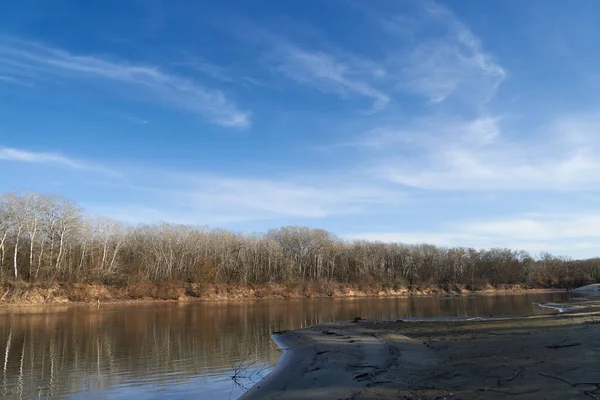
[47, 243]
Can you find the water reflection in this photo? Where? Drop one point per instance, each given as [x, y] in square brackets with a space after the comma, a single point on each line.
[188, 350]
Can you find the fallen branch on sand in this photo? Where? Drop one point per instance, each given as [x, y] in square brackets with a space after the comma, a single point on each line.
[591, 394]
[248, 370]
[511, 378]
[560, 346]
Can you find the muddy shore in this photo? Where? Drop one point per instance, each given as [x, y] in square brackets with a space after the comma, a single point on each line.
[29, 294]
[554, 356]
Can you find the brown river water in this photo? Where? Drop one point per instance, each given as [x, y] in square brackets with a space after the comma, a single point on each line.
[190, 350]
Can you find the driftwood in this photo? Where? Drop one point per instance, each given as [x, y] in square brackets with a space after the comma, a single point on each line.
[560, 346]
[511, 378]
[591, 394]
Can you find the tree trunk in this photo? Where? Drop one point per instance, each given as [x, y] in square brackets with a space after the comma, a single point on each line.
[114, 257]
[16, 270]
[32, 241]
[60, 249]
[104, 251]
[39, 263]
[2, 249]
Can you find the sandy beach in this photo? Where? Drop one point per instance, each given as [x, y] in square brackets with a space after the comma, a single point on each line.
[554, 356]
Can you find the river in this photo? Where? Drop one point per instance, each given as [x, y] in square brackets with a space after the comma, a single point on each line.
[189, 350]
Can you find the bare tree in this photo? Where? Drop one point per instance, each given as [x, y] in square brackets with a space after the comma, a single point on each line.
[50, 236]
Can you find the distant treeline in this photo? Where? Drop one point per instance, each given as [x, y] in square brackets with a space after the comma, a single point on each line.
[47, 238]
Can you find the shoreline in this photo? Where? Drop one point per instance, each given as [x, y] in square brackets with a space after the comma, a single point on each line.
[91, 294]
[189, 299]
[543, 356]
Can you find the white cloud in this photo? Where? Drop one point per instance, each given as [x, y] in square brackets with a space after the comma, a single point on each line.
[345, 77]
[548, 227]
[18, 155]
[574, 234]
[438, 239]
[138, 214]
[213, 199]
[217, 72]
[474, 155]
[481, 131]
[199, 198]
[451, 64]
[429, 133]
[9, 154]
[31, 59]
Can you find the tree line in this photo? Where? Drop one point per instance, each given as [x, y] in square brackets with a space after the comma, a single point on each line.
[48, 238]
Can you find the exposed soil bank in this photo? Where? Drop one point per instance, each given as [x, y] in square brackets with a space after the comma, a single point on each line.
[23, 294]
[543, 357]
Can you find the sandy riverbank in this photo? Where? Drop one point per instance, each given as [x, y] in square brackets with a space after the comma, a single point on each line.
[544, 357]
[21, 294]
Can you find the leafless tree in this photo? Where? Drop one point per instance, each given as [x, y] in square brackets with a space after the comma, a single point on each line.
[50, 240]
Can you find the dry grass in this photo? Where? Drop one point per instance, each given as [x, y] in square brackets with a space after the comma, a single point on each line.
[25, 293]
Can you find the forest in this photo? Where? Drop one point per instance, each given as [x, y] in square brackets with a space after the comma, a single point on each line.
[48, 239]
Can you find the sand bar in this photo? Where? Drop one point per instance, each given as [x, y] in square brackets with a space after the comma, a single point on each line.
[554, 356]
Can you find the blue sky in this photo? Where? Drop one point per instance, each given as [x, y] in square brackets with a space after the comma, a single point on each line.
[454, 123]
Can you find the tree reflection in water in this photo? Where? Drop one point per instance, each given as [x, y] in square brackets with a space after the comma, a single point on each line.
[178, 350]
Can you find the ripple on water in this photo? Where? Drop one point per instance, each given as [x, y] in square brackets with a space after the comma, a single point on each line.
[166, 351]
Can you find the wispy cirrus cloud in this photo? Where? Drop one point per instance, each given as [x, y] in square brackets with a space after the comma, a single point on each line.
[481, 152]
[292, 197]
[347, 77]
[230, 199]
[571, 225]
[552, 232]
[212, 70]
[202, 198]
[44, 158]
[10, 154]
[212, 199]
[218, 72]
[450, 64]
[476, 155]
[32, 60]
[321, 66]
